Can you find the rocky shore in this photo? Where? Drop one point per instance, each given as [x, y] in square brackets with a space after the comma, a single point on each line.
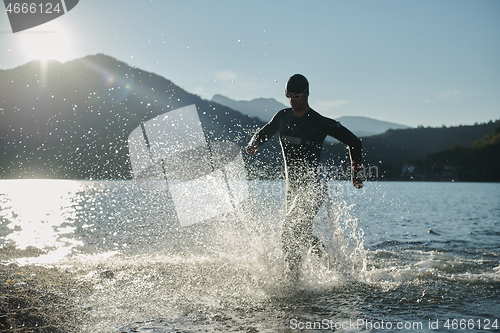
[32, 300]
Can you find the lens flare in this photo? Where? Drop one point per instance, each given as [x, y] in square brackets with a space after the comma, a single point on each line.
[118, 87]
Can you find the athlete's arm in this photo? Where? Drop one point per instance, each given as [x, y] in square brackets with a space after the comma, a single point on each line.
[356, 176]
[335, 129]
[264, 134]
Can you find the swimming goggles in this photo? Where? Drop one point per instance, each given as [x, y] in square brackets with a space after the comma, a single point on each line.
[295, 96]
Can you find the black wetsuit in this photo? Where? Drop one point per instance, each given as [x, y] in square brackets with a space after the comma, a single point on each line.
[302, 140]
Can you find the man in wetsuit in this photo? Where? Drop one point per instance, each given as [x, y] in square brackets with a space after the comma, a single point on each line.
[302, 132]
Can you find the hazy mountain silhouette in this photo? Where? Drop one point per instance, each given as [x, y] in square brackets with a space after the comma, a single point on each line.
[262, 108]
[72, 120]
[364, 126]
[265, 108]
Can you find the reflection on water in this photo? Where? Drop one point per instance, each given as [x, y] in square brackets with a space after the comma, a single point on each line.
[39, 214]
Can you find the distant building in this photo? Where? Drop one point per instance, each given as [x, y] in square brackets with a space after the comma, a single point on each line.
[408, 169]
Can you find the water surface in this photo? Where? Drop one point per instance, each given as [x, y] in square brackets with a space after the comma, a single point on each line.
[402, 256]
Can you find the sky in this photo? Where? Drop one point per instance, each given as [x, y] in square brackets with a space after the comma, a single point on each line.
[414, 62]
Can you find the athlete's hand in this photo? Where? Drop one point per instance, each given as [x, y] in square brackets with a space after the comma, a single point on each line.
[357, 182]
[357, 179]
[252, 150]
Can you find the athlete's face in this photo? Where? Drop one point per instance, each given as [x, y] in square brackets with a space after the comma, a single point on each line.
[298, 101]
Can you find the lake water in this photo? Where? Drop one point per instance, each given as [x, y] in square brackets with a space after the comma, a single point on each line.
[402, 256]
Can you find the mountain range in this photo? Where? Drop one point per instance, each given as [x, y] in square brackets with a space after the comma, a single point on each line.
[265, 108]
[72, 121]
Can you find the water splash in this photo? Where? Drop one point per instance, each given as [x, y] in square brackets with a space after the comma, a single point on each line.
[136, 267]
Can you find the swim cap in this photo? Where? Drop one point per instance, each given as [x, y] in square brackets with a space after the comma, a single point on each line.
[297, 84]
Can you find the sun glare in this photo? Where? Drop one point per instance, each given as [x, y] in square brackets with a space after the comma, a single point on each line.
[51, 43]
[40, 214]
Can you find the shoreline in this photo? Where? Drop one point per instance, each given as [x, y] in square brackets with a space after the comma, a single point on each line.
[32, 300]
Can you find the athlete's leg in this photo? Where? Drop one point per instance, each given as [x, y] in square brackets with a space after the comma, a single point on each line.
[302, 206]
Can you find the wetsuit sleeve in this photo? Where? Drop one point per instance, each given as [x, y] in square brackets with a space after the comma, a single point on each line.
[334, 129]
[267, 131]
